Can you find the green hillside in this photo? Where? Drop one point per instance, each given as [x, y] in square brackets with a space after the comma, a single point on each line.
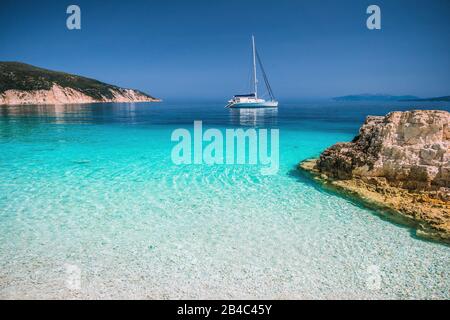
[21, 76]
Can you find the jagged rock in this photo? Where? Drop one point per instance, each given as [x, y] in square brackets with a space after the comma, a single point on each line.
[401, 161]
[410, 149]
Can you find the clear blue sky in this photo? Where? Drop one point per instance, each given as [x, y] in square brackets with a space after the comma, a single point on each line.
[201, 49]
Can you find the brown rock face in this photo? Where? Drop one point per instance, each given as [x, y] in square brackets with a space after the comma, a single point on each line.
[399, 162]
[59, 95]
[409, 149]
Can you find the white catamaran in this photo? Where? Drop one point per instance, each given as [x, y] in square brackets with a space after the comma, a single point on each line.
[252, 100]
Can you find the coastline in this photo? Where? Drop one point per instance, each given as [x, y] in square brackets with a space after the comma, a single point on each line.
[417, 210]
[58, 95]
[24, 84]
[77, 103]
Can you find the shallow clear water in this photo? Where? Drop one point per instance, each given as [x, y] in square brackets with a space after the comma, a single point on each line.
[93, 187]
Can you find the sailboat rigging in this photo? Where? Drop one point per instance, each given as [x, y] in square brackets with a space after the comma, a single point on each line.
[252, 100]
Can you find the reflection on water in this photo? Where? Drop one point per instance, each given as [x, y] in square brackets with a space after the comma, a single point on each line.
[70, 113]
[254, 117]
[40, 110]
[324, 116]
[24, 120]
[137, 114]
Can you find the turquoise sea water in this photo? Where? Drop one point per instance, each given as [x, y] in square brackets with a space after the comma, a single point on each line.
[93, 187]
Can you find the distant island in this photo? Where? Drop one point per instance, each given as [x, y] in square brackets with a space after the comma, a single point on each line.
[445, 98]
[24, 84]
[375, 97]
[387, 97]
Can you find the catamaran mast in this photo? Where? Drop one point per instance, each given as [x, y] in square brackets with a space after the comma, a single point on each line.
[254, 68]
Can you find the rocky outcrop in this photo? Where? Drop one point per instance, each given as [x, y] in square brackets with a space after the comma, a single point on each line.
[22, 83]
[400, 162]
[59, 95]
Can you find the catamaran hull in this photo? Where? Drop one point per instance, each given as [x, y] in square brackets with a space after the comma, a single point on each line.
[250, 105]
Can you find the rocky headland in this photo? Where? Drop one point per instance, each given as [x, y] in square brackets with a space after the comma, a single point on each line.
[23, 84]
[400, 163]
